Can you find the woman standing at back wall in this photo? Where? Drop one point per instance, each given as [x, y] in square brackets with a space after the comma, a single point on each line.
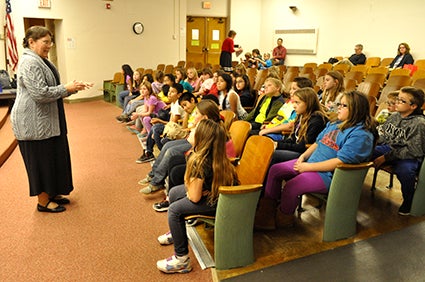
[38, 121]
[227, 48]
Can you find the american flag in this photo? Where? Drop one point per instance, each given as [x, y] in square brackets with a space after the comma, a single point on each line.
[12, 51]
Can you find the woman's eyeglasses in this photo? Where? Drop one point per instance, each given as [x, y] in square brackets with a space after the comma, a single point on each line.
[47, 43]
[341, 105]
[390, 103]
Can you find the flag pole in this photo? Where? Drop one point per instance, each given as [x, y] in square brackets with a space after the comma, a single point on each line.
[5, 48]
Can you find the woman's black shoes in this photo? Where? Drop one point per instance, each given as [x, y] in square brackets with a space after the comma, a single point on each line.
[59, 208]
[60, 201]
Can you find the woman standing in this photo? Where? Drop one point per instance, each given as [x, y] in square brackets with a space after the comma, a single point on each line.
[38, 121]
[227, 48]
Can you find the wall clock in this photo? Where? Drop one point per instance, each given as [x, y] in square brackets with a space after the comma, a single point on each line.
[138, 28]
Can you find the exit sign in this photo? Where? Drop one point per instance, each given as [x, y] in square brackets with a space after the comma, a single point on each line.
[206, 5]
[44, 3]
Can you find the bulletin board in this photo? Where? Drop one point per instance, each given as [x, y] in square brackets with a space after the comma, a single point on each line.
[298, 41]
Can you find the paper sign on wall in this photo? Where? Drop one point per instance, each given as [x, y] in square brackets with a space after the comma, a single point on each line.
[216, 35]
[195, 34]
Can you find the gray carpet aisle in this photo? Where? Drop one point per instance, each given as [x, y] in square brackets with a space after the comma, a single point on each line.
[396, 256]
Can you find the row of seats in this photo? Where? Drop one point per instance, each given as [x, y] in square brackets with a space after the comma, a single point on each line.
[112, 87]
[370, 81]
[234, 219]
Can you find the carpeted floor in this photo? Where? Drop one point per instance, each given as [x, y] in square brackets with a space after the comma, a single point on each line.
[109, 230]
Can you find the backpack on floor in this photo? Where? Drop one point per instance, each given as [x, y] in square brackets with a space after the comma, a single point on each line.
[5, 79]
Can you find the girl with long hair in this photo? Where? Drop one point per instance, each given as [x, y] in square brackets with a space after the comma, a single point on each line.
[208, 168]
[350, 140]
[152, 104]
[180, 76]
[309, 122]
[333, 88]
[133, 100]
[228, 98]
[175, 149]
[243, 88]
[193, 79]
[127, 71]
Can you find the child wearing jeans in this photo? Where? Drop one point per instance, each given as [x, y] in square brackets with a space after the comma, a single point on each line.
[199, 194]
[158, 125]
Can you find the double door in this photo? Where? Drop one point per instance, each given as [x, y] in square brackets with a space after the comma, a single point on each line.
[204, 38]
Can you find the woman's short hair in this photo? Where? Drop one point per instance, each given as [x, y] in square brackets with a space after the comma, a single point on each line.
[35, 32]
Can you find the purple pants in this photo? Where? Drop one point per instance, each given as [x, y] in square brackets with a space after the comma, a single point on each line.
[296, 184]
[146, 121]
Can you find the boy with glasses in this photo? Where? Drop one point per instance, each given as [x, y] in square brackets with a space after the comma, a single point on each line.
[401, 142]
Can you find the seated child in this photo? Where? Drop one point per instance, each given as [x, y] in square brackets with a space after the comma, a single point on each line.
[268, 106]
[401, 142]
[206, 82]
[151, 106]
[391, 102]
[284, 120]
[158, 125]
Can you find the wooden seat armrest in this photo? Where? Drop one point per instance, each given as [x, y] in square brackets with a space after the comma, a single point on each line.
[355, 166]
[195, 216]
[234, 161]
[240, 189]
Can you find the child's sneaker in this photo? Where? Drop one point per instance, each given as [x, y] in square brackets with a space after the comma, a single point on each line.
[147, 157]
[161, 206]
[151, 188]
[174, 265]
[165, 239]
[145, 180]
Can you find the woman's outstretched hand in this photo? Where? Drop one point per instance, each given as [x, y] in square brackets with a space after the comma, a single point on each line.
[75, 86]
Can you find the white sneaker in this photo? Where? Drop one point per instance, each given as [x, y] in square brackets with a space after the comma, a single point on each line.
[174, 265]
[165, 239]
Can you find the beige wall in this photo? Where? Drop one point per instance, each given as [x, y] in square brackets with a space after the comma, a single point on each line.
[380, 25]
[104, 39]
[219, 8]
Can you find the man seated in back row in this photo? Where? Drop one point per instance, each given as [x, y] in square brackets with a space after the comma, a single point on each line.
[358, 58]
